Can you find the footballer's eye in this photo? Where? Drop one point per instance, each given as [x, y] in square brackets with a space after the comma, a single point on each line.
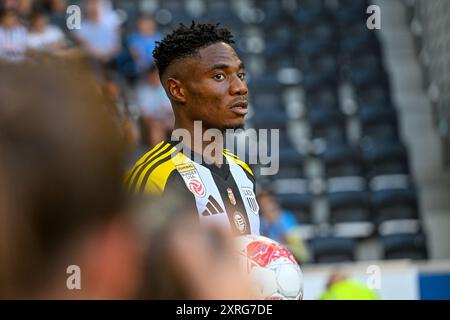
[219, 76]
[242, 75]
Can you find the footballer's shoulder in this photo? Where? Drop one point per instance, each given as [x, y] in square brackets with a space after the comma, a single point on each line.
[230, 155]
[151, 171]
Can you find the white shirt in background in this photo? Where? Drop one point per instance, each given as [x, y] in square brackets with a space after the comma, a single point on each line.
[44, 40]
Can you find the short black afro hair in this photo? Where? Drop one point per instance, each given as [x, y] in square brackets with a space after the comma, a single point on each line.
[187, 41]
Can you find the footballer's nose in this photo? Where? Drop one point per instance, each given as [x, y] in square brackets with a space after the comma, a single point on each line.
[239, 87]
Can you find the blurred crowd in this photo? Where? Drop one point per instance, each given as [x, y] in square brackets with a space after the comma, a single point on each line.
[123, 62]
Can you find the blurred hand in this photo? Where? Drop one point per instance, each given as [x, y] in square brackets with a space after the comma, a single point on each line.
[207, 258]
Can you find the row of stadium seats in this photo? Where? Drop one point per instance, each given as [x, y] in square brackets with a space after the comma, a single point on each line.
[395, 246]
[365, 183]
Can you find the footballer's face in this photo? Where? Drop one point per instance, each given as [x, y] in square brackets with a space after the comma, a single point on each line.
[216, 88]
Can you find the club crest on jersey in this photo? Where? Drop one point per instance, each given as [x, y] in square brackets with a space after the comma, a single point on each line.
[239, 222]
[192, 179]
[231, 196]
[250, 197]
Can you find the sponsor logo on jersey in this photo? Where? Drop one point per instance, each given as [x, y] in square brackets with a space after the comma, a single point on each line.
[185, 167]
[250, 197]
[192, 179]
[239, 221]
[197, 187]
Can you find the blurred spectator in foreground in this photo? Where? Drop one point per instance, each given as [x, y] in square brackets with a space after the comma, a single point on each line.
[156, 111]
[44, 37]
[340, 287]
[100, 38]
[280, 225]
[61, 169]
[142, 43]
[13, 37]
[189, 260]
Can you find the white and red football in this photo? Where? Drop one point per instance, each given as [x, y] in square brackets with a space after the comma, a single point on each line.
[273, 270]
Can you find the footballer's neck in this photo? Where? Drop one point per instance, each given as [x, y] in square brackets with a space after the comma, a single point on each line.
[192, 134]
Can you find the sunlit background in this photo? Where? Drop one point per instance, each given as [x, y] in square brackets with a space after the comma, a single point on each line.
[363, 116]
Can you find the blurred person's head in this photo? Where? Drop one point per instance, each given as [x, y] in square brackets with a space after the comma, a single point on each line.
[9, 4]
[25, 7]
[269, 205]
[61, 169]
[22, 8]
[336, 277]
[92, 9]
[39, 22]
[9, 19]
[203, 76]
[57, 5]
[189, 260]
[341, 287]
[146, 25]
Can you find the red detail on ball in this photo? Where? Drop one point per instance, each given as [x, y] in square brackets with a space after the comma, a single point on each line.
[262, 253]
[197, 187]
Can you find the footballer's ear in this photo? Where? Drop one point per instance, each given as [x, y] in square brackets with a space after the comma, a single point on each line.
[176, 90]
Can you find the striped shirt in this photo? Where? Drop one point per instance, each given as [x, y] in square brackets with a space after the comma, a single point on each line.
[13, 43]
[224, 195]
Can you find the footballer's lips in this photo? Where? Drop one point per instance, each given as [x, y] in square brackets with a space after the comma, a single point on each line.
[240, 107]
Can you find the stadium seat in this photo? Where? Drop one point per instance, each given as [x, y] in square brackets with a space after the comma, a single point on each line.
[378, 124]
[405, 246]
[327, 124]
[320, 78]
[291, 163]
[350, 12]
[333, 249]
[280, 32]
[366, 77]
[320, 38]
[290, 183]
[395, 204]
[297, 203]
[269, 119]
[310, 11]
[300, 205]
[342, 160]
[385, 158]
[324, 97]
[377, 94]
[357, 39]
[264, 83]
[350, 214]
[275, 57]
[272, 18]
[267, 101]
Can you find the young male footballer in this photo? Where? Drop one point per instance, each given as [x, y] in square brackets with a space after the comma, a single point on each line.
[206, 84]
